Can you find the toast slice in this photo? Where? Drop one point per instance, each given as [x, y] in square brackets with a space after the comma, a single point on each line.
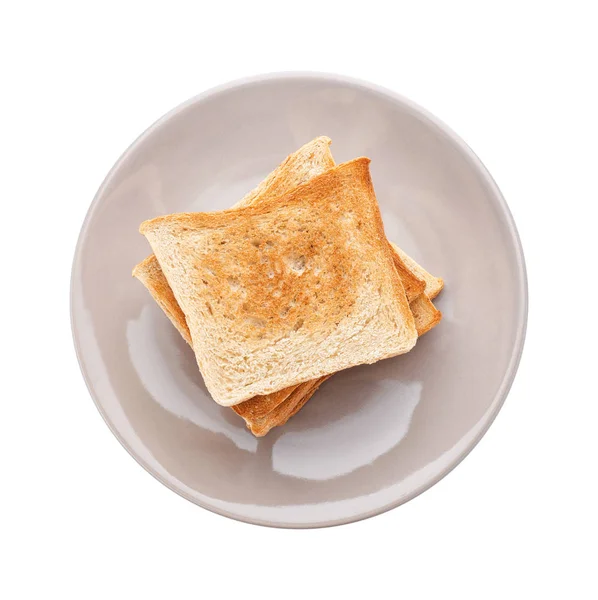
[292, 288]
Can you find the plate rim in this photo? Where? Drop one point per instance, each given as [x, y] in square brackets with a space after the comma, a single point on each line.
[517, 350]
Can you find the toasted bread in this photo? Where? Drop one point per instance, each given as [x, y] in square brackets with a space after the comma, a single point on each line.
[289, 290]
[311, 159]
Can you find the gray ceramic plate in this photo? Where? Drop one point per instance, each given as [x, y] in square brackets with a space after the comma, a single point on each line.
[373, 437]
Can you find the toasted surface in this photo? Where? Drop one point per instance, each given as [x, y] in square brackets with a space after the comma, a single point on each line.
[433, 285]
[289, 289]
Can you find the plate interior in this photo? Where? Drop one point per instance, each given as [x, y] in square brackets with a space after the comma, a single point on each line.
[373, 436]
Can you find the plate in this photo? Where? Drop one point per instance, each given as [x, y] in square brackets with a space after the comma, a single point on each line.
[373, 437]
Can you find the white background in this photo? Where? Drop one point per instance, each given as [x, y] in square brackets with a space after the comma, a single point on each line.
[79, 518]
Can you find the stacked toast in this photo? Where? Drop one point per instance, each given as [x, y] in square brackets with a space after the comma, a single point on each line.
[295, 282]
